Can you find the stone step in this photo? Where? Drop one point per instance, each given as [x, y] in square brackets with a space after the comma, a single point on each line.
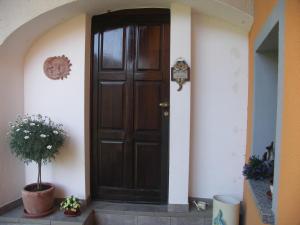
[105, 213]
[16, 217]
[115, 219]
[138, 214]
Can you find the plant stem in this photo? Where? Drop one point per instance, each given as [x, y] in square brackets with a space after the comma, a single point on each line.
[39, 180]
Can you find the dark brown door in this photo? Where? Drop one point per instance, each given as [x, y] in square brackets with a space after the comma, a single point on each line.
[130, 96]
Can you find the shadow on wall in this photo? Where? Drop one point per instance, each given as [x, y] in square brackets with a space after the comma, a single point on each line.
[12, 171]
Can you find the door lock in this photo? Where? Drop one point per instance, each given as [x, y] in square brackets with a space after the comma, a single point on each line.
[164, 104]
[166, 113]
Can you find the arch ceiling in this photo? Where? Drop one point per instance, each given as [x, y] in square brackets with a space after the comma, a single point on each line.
[37, 16]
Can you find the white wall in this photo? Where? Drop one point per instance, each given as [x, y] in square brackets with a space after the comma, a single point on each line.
[244, 5]
[18, 12]
[11, 99]
[219, 107]
[219, 97]
[37, 15]
[63, 101]
[180, 35]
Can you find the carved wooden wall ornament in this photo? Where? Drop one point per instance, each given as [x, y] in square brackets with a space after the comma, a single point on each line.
[180, 72]
[57, 67]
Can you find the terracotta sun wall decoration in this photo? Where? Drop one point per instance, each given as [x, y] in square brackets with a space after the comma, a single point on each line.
[57, 67]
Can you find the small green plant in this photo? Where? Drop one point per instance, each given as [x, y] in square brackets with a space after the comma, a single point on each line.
[70, 203]
[36, 139]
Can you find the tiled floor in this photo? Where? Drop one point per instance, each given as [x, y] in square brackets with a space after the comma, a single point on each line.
[136, 214]
[105, 213]
[16, 216]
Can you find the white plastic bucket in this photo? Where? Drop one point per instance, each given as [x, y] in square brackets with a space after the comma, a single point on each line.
[226, 210]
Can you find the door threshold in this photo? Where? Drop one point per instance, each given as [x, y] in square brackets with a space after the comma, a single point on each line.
[147, 209]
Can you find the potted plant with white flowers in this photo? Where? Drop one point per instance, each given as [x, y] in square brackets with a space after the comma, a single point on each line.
[36, 139]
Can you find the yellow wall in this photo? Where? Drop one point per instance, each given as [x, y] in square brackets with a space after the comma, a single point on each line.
[262, 10]
[288, 211]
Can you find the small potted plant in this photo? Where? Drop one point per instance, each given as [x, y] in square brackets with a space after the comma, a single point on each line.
[258, 169]
[71, 206]
[36, 139]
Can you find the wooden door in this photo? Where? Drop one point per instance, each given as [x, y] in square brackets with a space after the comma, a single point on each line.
[130, 87]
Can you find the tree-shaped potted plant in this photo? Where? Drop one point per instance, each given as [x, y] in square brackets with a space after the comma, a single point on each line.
[36, 139]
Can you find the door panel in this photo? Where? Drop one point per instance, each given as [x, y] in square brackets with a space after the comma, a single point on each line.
[113, 57]
[113, 51]
[129, 129]
[147, 163]
[146, 107]
[148, 47]
[110, 158]
[149, 52]
[112, 104]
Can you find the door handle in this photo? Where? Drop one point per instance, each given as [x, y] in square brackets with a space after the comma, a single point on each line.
[164, 104]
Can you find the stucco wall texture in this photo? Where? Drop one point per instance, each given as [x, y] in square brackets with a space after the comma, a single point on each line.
[262, 9]
[287, 210]
[62, 101]
[289, 170]
[19, 66]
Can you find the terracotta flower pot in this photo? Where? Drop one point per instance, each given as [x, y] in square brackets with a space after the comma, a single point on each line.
[38, 203]
[70, 213]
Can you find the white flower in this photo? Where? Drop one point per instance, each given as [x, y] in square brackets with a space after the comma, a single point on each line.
[18, 129]
[32, 124]
[26, 131]
[26, 137]
[43, 135]
[25, 120]
[49, 147]
[55, 132]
